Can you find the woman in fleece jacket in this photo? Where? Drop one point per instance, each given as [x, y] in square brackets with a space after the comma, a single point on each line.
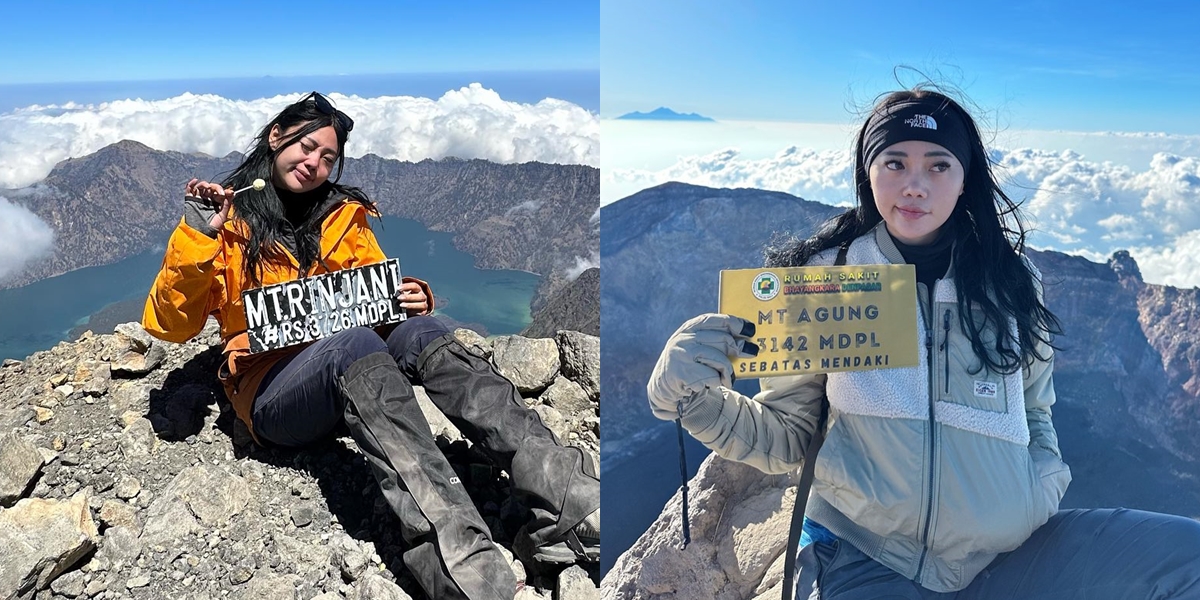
[941, 480]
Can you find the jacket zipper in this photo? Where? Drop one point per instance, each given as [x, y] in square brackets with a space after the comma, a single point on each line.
[945, 349]
[932, 432]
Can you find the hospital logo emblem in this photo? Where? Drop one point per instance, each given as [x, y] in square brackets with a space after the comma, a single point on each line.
[766, 286]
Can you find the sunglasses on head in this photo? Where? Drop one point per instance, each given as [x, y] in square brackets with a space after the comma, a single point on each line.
[323, 105]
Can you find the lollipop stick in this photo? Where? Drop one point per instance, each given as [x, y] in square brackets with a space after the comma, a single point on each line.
[257, 185]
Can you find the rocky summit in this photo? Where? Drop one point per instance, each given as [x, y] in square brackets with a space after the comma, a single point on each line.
[125, 474]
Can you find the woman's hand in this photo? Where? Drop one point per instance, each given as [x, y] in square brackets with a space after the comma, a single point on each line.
[696, 359]
[213, 196]
[412, 298]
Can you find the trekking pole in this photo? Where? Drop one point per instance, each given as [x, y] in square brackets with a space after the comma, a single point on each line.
[687, 535]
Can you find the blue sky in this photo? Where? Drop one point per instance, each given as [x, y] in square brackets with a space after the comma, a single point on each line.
[1099, 66]
[73, 41]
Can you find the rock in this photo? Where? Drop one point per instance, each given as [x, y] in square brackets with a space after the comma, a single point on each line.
[568, 398]
[96, 587]
[128, 395]
[376, 587]
[553, 420]
[138, 439]
[41, 540]
[530, 364]
[302, 515]
[58, 379]
[120, 545]
[739, 523]
[265, 585]
[70, 584]
[20, 463]
[135, 337]
[135, 364]
[574, 584]
[137, 582]
[114, 513]
[128, 487]
[241, 575]
[17, 418]
[580, 357]
[43, 414]
[474, 342]
[198, 495]
[438, 423]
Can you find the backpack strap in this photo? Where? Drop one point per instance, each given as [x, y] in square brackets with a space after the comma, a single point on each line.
[806, 479]
[802, 488]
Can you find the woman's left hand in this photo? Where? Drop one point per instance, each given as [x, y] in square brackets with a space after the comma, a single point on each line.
[412, 298]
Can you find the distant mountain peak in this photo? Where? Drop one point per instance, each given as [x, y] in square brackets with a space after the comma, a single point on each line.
[663, 113]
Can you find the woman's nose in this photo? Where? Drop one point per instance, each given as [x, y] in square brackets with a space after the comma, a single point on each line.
[915, 186]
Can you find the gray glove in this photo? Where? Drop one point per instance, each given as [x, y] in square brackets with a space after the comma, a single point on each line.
[696, 361]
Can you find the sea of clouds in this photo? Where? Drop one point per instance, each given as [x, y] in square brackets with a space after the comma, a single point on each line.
[1076, 205]
[471, 122]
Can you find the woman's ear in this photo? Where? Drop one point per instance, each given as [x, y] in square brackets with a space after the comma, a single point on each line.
[274, 137]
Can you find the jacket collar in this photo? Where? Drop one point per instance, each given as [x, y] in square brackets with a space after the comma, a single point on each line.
[892, 253]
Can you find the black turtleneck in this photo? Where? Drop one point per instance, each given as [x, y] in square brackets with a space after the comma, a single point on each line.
[932, 260]
[297, 208]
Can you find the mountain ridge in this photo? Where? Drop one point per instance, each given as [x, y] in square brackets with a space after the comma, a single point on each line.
[124, 199]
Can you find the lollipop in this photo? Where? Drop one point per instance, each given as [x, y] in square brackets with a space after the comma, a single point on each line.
[258, 185]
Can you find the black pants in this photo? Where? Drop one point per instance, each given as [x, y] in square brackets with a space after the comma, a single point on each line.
[299, 402]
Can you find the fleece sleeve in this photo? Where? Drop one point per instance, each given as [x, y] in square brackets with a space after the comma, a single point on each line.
[770, 431]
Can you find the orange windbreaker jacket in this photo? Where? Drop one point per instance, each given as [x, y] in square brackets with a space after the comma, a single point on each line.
[203, 276]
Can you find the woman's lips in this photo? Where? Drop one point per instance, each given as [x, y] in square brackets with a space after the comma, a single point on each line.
[910, 213]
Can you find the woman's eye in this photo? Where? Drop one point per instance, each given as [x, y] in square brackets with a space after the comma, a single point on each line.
[893, 165]
[941, 167]
[328, 159]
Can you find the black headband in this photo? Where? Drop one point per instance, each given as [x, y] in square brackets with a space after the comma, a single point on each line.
[925, 119]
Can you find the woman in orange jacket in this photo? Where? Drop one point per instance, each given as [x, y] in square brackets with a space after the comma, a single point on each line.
[304, 223]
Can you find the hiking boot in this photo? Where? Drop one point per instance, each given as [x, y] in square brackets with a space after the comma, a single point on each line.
[559, 484]
[581, 544]
[450, 551]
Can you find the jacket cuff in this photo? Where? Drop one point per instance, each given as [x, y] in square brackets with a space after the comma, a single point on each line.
[424, 288]
[197, 215]
[701, 412]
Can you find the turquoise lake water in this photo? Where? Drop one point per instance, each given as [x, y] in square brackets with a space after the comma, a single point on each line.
[38, 316]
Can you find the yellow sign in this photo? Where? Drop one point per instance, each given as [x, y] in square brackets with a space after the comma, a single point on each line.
[823, 319]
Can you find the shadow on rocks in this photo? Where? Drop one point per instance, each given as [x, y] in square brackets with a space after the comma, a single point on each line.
[330, 482]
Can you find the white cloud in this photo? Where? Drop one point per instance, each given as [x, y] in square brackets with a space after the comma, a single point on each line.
[1074, 204]
[822, 176]
[23, 237]
[529, 206]
[1175, 264]
[582, 264]
[471, 122]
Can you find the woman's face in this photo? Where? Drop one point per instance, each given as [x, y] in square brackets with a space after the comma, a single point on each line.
[305, 164]
[916, 186]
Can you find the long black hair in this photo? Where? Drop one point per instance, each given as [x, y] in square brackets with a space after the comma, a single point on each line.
[989, 237]
[264, 212]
